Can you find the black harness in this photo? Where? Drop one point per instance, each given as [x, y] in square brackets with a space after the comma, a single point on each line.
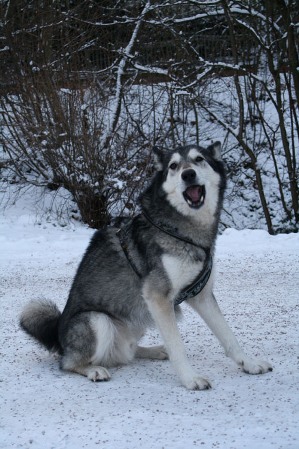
[199, 282]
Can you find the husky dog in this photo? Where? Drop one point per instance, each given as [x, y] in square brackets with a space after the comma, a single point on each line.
[136, 276]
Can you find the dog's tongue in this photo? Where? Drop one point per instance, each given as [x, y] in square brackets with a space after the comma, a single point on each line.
[194, 193]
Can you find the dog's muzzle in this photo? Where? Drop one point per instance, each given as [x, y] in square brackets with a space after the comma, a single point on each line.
[194, 194]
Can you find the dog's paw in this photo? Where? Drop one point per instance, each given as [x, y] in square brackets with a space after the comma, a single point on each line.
[197, 383]
[151, 352]
[160, 353]
[253, 366]
[98, 374]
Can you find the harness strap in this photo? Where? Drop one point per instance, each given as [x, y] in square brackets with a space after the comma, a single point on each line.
[197, 285]
[173, 233]
[122, 234]
[191, 290]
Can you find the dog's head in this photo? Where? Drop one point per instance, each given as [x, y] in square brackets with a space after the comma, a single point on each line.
[193, 177]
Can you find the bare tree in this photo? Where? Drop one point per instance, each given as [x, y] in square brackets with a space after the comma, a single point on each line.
[265, 87]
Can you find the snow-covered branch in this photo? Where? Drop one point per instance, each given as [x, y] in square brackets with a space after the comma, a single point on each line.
[126, 54]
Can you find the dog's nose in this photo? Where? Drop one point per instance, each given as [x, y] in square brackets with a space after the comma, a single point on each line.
[189, 175]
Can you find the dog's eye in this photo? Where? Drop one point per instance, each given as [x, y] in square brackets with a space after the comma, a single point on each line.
[199, 159]
[173, 166]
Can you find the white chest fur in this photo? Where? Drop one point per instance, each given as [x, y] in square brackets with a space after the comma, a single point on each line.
[180, 272]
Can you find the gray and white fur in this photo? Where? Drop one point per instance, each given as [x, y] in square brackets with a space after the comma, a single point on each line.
[116, 295]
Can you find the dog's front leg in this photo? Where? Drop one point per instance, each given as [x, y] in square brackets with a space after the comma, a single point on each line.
[207, 307]
[162, 311]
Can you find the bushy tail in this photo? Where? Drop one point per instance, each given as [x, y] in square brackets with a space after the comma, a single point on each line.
[40, 320]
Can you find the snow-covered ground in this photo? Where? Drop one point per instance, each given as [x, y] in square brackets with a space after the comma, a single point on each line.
[144, 405]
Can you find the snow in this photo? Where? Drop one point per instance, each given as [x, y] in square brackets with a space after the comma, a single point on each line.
[144, 404]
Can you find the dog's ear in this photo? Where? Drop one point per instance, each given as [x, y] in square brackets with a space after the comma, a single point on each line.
[159, 157]
[215, 149]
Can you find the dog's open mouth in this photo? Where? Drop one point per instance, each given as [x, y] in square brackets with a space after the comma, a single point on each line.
[195, 196]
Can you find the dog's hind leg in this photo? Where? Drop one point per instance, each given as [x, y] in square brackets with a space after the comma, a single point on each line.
[151, 352]
[94, 342]
[207, 307]
[94, 373]
[81, 347]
